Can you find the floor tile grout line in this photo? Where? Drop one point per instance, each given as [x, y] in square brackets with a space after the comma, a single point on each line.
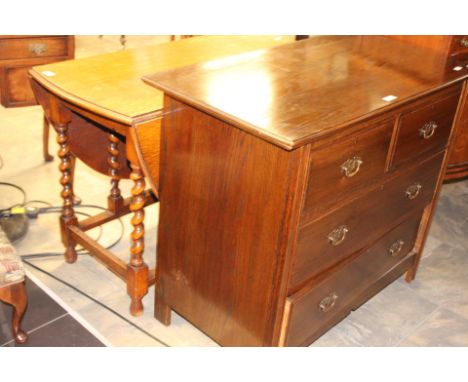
[95, 301]
[418, 294]
[40, 326]
[464, 318]
[416, 327]
[70, 311]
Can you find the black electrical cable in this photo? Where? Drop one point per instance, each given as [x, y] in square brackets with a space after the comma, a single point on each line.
[56, 209]
[80, 251]
[20, 189]
[38, 201]
[98, 302]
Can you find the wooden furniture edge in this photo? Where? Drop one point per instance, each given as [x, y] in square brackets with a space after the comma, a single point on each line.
[275, 139]
[87, 105]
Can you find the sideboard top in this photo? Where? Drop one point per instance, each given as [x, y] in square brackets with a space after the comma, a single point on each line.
[292, 94]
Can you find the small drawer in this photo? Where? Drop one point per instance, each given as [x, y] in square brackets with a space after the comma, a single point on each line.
[425, 130]
[13, 48]
[459, 45]
[316, 308]
[333, 238]
[346, 167]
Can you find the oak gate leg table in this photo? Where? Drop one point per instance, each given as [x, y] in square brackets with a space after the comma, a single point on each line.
[108, 118]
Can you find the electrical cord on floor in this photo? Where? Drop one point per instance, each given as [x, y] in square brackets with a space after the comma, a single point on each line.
[97, 302]
[57, 209]
[20, 189]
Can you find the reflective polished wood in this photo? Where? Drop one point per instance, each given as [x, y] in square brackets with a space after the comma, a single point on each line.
[298, 181]
[338, 68]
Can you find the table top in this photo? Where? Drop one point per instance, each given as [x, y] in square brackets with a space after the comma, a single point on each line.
[292, 94]
[111, 86]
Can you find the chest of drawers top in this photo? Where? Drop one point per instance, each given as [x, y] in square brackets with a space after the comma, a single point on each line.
[291, 95]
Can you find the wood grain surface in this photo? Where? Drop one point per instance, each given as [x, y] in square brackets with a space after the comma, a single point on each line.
[295, 93]
[110, 84]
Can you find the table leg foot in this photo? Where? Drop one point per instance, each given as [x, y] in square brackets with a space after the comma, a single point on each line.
[136, 307]
[137, 287]
[70, 255]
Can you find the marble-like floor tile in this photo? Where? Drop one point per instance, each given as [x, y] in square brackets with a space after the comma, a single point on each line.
[443, 328]
[111, 291]
[179, 333]
[51, 335]
[450, 223]
[443, 277]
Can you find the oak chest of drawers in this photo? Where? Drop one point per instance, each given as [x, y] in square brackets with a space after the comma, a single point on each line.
[18, 54]
[295, 183]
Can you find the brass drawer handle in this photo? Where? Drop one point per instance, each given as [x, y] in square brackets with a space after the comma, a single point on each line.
[337, 236]
[395, 248]
[37, 48]
[428, 130]
[328, 302]
[464, 42]
[413, 191]
[351, 167]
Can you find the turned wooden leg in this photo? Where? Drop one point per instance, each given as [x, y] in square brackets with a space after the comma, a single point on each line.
[76, 199]
[114, 200]
[16, 296]
[45, 140]
[137, 270]
[68, 214]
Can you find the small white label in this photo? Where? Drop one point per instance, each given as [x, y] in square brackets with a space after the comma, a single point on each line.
[48, 73]
[389, 98]
[458, 68]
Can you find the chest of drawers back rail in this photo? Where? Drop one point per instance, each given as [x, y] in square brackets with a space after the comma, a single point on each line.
[291, 191]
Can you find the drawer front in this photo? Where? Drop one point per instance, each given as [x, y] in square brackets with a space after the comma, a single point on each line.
[333, 238]
[345, 168]
[314, 310]
[11, 49]
[16, 90]
[459, 45]
[425, 130]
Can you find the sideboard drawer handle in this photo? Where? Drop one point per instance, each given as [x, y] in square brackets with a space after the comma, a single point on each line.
[395, 248]
[38, 48]
[464, 42]
[337, 236]
[413, 191]
[428, 129]
[328, 302]
[351, 167]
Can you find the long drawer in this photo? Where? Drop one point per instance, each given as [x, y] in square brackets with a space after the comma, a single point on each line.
[331, 239]
[315, 308]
